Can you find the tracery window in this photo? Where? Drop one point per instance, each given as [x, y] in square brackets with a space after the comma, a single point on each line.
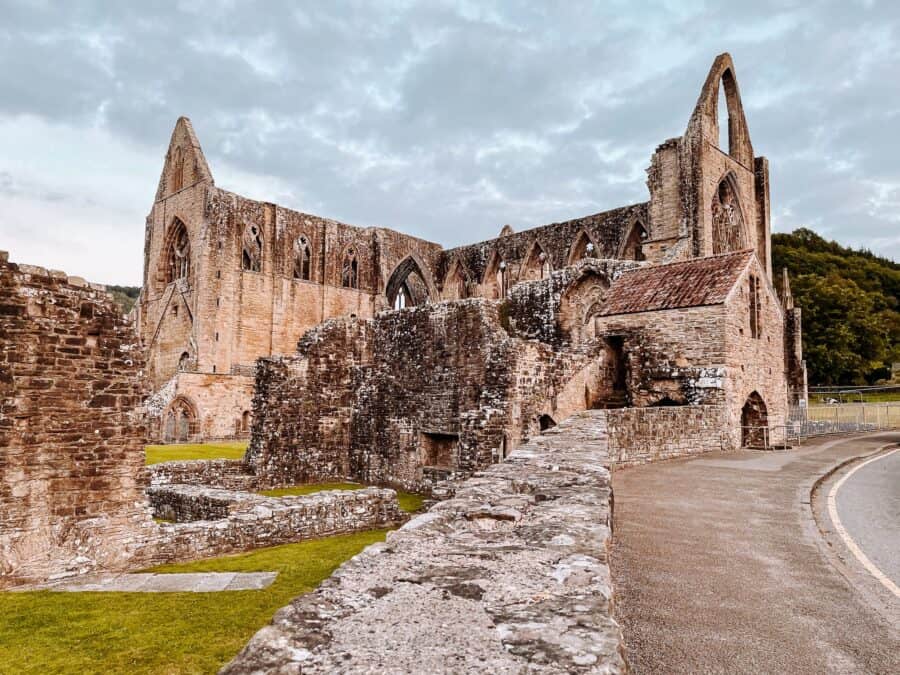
[727, 220]
[302, 259]
[350, 270]
[178, 255]
[251, 256]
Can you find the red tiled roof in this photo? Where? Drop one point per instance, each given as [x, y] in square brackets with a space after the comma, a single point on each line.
[691, 283]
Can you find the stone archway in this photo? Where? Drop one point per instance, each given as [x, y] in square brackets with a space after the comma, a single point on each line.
[754, 422]
[408, 285]
[180, 421]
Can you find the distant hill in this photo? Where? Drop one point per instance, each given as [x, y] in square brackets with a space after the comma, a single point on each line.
[850, 301]
[125, 296]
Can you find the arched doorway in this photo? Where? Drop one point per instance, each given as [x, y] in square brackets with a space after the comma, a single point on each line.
[754, 422]
[180, 421]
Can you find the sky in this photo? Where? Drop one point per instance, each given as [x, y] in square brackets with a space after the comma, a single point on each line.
[441, 119]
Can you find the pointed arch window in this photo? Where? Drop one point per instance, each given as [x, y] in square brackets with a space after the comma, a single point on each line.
[252, 245]
[537, 264]
[177, 170]
[350, 269]
[302, 259]
[633, 247]
[582, 247]
[178, 253]
[727, 220]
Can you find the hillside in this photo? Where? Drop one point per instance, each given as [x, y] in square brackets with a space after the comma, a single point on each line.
[851, 324]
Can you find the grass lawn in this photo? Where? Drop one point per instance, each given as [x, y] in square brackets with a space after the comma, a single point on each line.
[175, 452]
[409, 501]
[44, 632]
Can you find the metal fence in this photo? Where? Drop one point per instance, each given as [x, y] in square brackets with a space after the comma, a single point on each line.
[804, 422]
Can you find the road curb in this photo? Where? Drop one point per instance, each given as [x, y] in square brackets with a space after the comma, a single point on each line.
[833, 548]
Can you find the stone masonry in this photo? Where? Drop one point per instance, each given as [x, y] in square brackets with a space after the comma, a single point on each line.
[228, 280]
[509, 576]
[71, 428]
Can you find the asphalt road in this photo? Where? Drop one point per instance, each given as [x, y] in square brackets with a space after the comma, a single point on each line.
[868, 504]
[719, 567]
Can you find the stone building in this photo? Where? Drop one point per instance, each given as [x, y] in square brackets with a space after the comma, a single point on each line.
[665, 302]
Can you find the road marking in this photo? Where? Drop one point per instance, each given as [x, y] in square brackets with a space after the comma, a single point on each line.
[848, 540]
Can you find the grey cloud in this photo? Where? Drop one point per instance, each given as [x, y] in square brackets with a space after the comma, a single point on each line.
[449, 119]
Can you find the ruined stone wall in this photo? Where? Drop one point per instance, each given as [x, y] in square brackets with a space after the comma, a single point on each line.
[509, 576]
[672, 356]
[755, 364]
[218, 522]
[71, 431]
[641, 435]
[559, 241]
[228, 474]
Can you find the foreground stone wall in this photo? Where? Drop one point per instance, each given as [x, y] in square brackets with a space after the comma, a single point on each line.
[71, 431]
[511, 575]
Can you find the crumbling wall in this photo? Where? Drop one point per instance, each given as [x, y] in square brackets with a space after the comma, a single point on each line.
[71, 430]
[511, 575]
[219, 521]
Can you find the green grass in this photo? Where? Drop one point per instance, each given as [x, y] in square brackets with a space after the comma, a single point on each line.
[44, 632]
[409, 501]
[175, 452]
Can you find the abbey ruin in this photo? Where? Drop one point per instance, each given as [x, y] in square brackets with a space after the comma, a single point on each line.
[345, 352]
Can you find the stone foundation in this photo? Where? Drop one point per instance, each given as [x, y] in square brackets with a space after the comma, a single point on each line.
[220, 521]
[511, 575]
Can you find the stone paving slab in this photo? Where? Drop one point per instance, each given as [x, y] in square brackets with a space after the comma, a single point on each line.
[195, 582]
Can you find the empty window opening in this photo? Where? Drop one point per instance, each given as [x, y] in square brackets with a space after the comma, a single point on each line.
[177, 170]
[180, 422]
[582, 247]
[546, 422]
[754, 307]
[350, 270]
[455, 286]
[723, 120]
[401, 299]
[245, 421]
[537, 265]
[178, 254]
[302, 259]
[251, 255]
[184, 362]
[633, 248]
[439, 449]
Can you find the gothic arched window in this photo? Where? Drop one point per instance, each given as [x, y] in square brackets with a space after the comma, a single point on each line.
[178, 253]
[727, 220]
[302, 259]
[251, 255]
[350, 270]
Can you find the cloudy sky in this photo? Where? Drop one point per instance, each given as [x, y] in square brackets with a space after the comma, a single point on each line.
[441, 119]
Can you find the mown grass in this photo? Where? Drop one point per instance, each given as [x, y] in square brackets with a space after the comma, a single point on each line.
[44, 632]
[409, 501]
[185, 451]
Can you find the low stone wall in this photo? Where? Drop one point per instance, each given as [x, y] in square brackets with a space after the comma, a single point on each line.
[511, 575]
[229, 474]
[254, 521]
[640, 435]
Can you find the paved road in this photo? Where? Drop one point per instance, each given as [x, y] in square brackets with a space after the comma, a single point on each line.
[719, 568]
[868, 504]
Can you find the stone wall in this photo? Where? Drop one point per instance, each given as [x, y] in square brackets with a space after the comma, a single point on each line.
[641, 435]
[71, 429]
[229, 474]
[511, 575]
[224, 521]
